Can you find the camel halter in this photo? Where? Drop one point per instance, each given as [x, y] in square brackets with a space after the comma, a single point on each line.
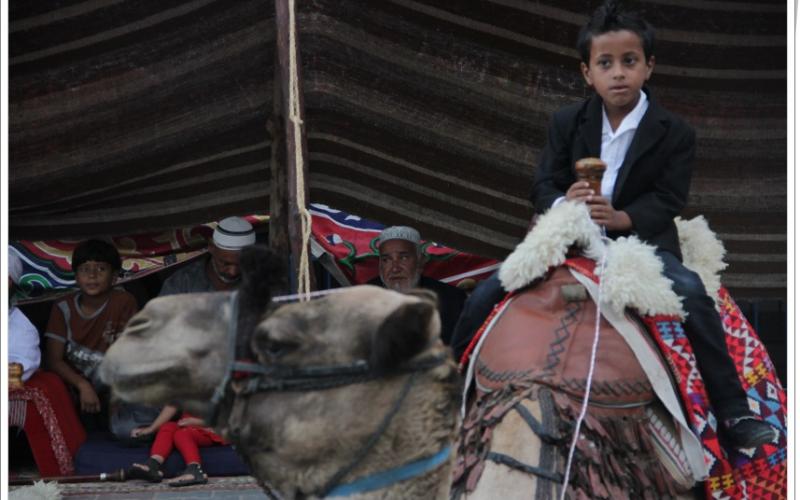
[279, 378]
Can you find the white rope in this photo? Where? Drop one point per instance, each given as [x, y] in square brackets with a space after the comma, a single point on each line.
[303, 272]
[306, 296]
[592, 361]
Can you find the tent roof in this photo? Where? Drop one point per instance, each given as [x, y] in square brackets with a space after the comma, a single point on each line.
[133, 116]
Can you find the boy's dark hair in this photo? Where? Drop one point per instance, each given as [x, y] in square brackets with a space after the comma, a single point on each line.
[98, 251]
[610, 17]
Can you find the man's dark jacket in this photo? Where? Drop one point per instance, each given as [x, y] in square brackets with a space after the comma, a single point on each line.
[451, 301]
[652, 186]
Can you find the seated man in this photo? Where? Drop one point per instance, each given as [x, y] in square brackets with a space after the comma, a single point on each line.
[219, 270]
[400, 268]
[23, 337]
[216, 271]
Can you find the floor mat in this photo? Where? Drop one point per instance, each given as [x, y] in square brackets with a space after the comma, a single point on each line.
[139, 486]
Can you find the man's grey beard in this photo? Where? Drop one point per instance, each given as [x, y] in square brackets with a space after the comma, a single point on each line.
[222, 277]
[413, 284]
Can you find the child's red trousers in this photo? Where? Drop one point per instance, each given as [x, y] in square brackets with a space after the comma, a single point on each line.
[188, 440]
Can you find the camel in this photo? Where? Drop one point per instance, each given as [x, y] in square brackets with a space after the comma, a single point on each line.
[526, 377]
[380, 425]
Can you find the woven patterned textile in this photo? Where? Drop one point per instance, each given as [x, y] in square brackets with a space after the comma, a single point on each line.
[217, 487]
[136, 115]
[51, 424]
[46, 265]
[351, 240]
[758, 473]
[348, 238]
[16, 413]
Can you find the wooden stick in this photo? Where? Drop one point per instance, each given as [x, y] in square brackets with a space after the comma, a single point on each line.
[117, 476]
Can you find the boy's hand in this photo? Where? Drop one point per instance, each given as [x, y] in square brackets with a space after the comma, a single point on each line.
[579, 191]
[604, 214]
[90, 403]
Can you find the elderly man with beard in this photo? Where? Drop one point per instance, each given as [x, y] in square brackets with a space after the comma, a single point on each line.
[400, 268]
[219, 270]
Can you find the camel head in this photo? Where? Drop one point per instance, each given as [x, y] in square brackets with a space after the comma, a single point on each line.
[297, 440]
[176, 349]
[173, 349]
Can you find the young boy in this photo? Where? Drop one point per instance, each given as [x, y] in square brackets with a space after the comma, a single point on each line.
[649, 154]
[84, 324]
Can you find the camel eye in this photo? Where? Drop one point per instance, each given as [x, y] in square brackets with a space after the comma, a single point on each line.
[275, 348]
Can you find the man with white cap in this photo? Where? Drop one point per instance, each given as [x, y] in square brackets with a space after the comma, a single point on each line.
[219, 270]
[23, 337]
[400, 268]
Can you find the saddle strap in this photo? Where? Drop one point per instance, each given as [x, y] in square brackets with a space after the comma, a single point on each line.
[659, 378]
[535, 426]
[513, 463]
[470, 374]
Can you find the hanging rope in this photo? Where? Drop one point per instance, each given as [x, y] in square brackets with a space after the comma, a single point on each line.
[593, 360]
[303, 272]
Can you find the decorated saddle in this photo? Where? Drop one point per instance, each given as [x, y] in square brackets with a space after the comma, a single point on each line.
[512, 366]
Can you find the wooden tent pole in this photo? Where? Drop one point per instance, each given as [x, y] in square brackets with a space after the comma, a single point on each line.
[278, 197]
[291, 138]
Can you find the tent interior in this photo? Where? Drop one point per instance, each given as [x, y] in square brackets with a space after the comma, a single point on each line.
[129, 117]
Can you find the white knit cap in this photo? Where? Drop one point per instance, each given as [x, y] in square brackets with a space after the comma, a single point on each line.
[234, 233]
[399, 233]
[14, 266]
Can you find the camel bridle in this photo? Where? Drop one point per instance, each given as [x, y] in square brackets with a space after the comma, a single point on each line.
[281, 378]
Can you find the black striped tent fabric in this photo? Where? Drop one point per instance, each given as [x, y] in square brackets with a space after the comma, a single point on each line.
[130, 116]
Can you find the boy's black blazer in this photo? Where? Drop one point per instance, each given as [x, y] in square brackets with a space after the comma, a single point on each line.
[653, 182]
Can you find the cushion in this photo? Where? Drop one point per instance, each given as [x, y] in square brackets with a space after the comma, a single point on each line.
[101, 453]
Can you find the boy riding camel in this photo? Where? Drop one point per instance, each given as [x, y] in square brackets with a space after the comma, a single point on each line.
[649, 153]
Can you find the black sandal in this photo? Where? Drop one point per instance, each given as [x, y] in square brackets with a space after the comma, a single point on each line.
[194, 470]
[151, 471]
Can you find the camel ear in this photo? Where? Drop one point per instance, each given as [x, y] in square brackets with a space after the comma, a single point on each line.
[263, 272]
[263, 275]
[406, 332]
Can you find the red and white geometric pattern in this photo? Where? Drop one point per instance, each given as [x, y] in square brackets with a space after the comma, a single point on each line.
[758, 473]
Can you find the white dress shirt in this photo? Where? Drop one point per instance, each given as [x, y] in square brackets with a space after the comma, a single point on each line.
[614, 145]
[23, 342]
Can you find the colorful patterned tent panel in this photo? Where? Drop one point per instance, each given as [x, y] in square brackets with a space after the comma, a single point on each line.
[47, 270]
[348, 238]
[351, 240]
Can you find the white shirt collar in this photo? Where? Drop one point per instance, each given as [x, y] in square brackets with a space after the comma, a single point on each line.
[631, 120]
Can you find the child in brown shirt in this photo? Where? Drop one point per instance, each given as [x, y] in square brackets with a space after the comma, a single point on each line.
[83, 325]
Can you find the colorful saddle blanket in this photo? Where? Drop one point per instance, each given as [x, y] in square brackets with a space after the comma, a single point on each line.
[755, 473]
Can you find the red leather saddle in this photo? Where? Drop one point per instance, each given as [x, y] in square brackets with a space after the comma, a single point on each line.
[545, 336]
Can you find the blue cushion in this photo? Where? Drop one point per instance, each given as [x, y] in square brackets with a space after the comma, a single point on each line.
[101, 453]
